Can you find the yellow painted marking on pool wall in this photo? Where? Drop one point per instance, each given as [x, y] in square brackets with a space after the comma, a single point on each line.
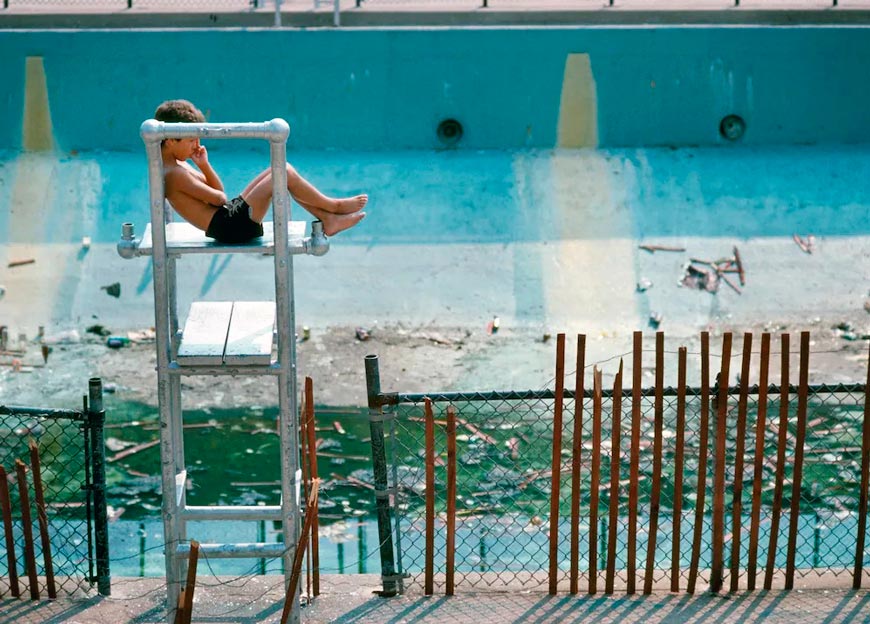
[591, 279]
[578, 108]
[36, 132]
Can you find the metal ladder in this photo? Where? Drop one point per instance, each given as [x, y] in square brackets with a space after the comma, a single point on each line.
[217, 342]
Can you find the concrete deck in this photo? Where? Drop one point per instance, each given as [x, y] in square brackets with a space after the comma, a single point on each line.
[350, 598]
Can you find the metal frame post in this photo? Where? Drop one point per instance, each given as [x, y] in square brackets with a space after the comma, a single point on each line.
[96, 420]
[379, 464]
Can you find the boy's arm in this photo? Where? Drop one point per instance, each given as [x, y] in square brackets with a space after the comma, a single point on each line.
[179, 180]
[200, 159]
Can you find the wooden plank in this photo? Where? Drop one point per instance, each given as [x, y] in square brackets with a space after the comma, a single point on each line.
[576, 445]
[616, 424]
[655, 495]
[760, 429]
[296, 568]
[677, 520]
[182, 237]
[312, 467]
[858, 572]
[737, 488]
[429, 570]
[634, 460]
[703, 441]
[249, 340]
[776, 507]
[205, 333]
[595, 479]
[451, 501]
[6, 507]
[556, 467]
[43, 520]
[190, 586]
[797, 474]
[719, 467]
[27, 529]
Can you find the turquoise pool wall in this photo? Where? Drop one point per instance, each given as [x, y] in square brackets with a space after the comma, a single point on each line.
[389, 88]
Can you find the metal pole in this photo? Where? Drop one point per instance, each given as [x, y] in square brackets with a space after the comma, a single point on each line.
[379, 466]
[97, 417]
[278, 13]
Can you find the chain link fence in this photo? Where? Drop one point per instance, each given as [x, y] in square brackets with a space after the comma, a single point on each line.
[504, 481]
[71, 460]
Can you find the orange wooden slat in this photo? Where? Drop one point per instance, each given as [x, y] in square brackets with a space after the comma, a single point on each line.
[595, 479]
[556, 476]
[737, 488]
[634, 460]
[677, 521]
[760, 429]
[865, 481]
[703, 443]
[429, 581]
[776, 506]
[797, 474]
[575, 462]
[719, 468]
[451, 500]
[613, 522]
[655, 494]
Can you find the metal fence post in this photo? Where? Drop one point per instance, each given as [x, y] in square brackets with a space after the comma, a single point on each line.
[379, 465]
[96, 418]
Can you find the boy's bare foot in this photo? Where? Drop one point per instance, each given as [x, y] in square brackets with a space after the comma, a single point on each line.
[349, 205]
[333, 224]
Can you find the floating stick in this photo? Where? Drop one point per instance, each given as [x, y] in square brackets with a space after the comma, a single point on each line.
[803, 391]
[678, 469]
[27, 528]
[737, 489]
[575, 462]
[655, 495]
[43, 520]
[556, 476]
[760, 428]
[634, 461]
[430, 499]
[614, 481]
[702, 462]
[719, 468]
[780, 462]
[451, 499]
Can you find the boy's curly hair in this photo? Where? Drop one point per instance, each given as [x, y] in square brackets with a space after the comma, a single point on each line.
[178, 111]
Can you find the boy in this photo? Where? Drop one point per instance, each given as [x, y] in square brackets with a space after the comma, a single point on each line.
[198, 196]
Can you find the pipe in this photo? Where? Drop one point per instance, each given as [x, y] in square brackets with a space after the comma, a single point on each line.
[128, 246]
[318, 243]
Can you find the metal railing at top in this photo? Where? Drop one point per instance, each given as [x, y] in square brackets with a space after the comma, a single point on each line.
[71, 463]
[682, 487]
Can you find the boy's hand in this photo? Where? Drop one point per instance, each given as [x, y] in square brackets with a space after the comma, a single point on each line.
[200, 156]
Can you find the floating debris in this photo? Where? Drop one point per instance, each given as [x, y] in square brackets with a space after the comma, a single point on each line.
[18, 263]
[362, 334]
[655, 248]
[113, 290]
[807, 245]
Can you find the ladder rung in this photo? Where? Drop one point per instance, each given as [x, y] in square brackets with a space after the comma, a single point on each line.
[235, 551]
[228, 333]
[225, 512]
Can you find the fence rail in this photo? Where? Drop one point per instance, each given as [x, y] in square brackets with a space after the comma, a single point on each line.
[722, 485]
[69, 477]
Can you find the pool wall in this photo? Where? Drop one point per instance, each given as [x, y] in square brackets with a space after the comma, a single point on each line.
[509, 87]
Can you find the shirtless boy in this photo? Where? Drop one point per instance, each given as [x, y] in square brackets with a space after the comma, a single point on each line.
[199, 197]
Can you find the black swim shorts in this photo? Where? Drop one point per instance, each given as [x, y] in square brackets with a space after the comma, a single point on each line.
[232, 223]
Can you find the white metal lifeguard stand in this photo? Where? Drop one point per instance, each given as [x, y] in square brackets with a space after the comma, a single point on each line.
[222, 338]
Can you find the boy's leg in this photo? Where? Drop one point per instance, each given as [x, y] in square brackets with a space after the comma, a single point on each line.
[258, 194]
[335, 223]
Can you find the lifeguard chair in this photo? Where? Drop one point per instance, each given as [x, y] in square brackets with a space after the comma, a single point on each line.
[223, 338]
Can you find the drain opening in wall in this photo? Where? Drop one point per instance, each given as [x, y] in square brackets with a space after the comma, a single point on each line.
[449, 132]
[732, 127]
